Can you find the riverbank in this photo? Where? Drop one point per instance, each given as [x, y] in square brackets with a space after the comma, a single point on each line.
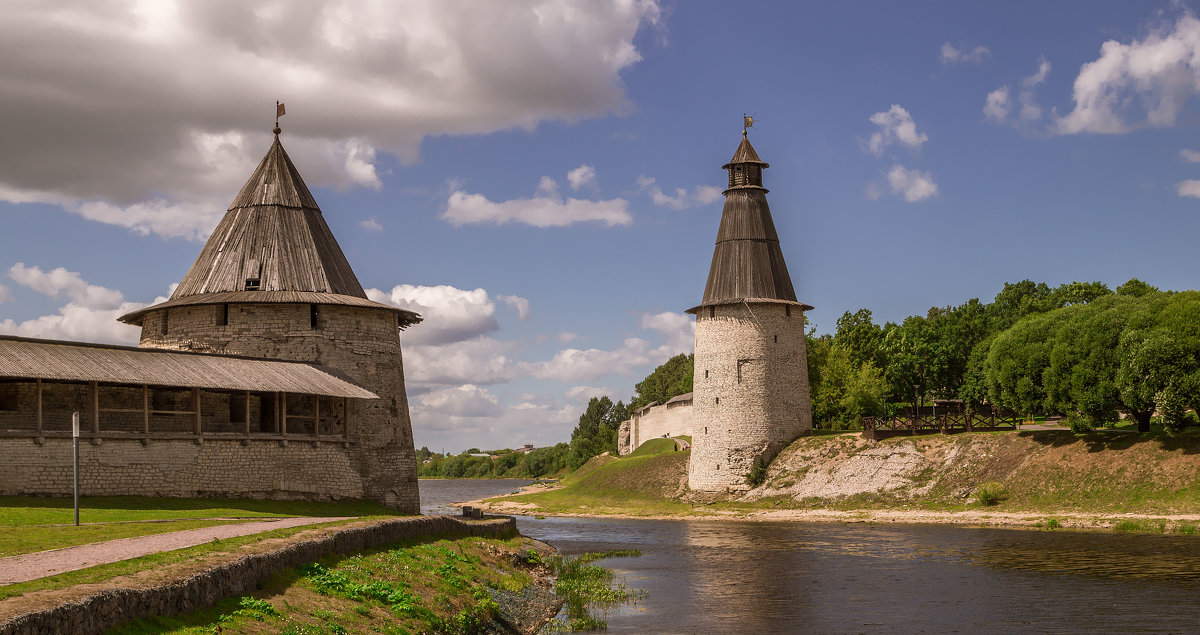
[183, 586]
[1050, 478]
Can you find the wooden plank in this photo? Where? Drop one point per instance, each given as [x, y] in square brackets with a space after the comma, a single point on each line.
[39, 407]
[196, 406]
[95, 389]
[146, 409]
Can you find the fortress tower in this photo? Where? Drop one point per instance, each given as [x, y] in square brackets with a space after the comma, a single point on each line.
[750, 394]
[272, 282]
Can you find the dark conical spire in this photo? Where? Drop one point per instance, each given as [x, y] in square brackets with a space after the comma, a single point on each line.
[747, 263]
[272, 246]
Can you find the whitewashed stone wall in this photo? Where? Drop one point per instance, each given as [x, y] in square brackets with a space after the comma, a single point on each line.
[363, 343]
[663, 420]
[750, 391]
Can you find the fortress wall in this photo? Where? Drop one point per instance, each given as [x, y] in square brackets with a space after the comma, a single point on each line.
[670, 420]
[303, 470]
[623, 446]
[363, 343]
[750, 394]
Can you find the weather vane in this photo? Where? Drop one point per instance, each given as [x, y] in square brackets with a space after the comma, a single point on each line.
[747, 122]
[279, 112]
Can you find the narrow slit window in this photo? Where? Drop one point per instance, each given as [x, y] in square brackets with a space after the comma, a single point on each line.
[223, 315]
[706, 374]
[712, 311]
[165, 320]
[787, 311]
[776, 339]
[313, 316]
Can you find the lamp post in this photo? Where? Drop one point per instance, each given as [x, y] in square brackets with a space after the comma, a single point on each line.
[75, 458]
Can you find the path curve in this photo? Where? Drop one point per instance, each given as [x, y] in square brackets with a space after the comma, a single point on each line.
[31, 566]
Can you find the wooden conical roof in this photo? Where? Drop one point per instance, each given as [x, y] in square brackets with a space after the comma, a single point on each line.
[272, 246]
[747, 263]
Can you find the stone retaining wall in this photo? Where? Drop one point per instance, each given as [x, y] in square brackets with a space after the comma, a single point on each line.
[104, 610]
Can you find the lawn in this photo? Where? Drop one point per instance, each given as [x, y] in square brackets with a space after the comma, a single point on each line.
[29, 523]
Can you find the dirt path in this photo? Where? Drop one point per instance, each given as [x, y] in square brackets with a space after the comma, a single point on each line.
[32, 566]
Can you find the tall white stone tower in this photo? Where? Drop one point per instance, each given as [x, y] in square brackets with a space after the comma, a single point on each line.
[750, 394]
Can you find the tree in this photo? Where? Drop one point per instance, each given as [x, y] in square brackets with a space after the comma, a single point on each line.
[1136, 288]
[671, 379]
[860, 337]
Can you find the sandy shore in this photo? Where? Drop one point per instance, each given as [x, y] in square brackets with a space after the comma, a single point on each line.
[973, 517]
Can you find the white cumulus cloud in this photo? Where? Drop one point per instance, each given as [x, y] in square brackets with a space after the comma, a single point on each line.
[371, 225]
[154, 139]
[545, 209]
[518, 304]
[913, 185]
[1191, 156]
[1145, 82]
[450, 314]
[951, 54]
[583, 394]
[1189, 188]
[581, 176]
[895, 125]
[678, 329]
[681, 198]
[997, 105]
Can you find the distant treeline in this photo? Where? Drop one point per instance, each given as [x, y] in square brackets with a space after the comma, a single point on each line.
[545, 462]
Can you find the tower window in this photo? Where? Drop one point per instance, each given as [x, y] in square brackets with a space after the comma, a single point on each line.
[252, 284]
[312, 316]
[712, 311]
[223, 315]
[253, 274]
[706, 374]
[776, 339]
[165, 321]
[787, 310]
[718, 401]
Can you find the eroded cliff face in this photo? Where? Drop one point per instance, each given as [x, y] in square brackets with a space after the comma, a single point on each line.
[945, 468]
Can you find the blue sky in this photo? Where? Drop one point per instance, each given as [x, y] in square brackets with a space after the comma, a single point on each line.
[541, 180]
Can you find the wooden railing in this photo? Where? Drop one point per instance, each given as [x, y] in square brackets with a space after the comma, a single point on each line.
[928, 421]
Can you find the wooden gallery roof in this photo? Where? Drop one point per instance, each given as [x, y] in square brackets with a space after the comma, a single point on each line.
[23, 358]
[747, 263]
[272, 246]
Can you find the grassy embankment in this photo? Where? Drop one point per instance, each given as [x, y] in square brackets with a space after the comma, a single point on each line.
[464, 585]
[32, 523]
[1039, 473]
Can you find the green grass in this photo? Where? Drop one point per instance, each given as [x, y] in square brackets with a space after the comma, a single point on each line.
[48, 523]
[425, 586]
[654, 446]
[35, 510]
[158, 560]
[636, 485]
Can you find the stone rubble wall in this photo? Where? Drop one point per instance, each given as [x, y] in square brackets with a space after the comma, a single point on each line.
[750, 391]
[107, 609]
[361, 342]
[665, 420]
[303, 470]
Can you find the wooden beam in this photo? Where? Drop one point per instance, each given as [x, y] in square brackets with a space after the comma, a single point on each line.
[247, 417]
[145, 409]
[196, 407]
[316, 415]
[345, 418]
[283, 412]
[39, 406]
[95, 388]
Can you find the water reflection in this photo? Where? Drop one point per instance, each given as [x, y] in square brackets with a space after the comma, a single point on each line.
[734, 577]
[438, 495]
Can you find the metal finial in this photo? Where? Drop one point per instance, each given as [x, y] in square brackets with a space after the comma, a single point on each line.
[279, 112]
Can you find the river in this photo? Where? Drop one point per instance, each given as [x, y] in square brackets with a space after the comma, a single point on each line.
[753, 577]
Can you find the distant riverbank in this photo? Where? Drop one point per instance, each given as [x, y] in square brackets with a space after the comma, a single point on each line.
[1047, 479]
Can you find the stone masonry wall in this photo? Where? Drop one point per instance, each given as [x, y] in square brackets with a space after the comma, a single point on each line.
[362, 342]
[623, 438]
[671, 420]
[750, 391]
[303, 470]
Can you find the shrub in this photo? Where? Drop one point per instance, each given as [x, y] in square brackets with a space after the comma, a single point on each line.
[1080, 425]
[757, 475]
[990, 494]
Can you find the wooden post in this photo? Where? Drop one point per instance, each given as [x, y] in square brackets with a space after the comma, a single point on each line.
[276, 415]
[95, 407]
[145, 409]
[283, 413]
[196, 406]
[345, 418]
[247, 417]
[39, 406]
[316, 415]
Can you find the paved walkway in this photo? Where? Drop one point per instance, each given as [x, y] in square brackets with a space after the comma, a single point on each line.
[31, 566]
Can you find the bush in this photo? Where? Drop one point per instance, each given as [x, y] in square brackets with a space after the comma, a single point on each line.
[757, 475]
[990, 494]
[1080, 425]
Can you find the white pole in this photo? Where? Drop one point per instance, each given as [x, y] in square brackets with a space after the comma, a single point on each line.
[75, 455]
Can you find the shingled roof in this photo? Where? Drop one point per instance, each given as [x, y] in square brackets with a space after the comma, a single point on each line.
[272, 246]
[747, 263]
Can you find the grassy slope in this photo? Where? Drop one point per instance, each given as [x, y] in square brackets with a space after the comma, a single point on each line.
[645, 483]
[1042, 472]
[47, 523]
[416, 586]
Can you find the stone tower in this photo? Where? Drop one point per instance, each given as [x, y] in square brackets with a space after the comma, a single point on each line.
[272, 282]
[750, 394]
